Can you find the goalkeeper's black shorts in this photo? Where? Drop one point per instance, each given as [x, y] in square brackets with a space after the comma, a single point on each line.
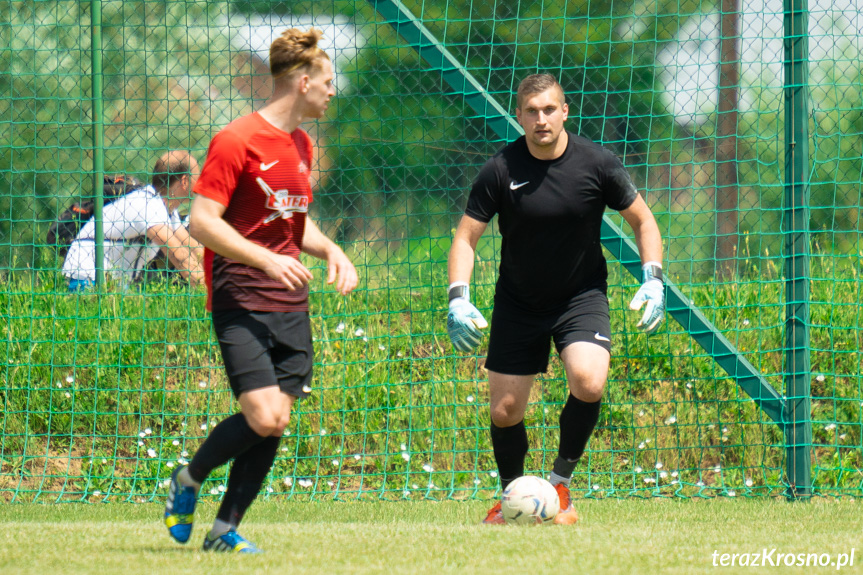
[520, 340]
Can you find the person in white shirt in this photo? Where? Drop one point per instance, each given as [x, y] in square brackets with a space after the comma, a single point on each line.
[140, 224]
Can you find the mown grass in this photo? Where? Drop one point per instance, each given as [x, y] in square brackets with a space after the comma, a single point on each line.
[103, 394]
[613, 536]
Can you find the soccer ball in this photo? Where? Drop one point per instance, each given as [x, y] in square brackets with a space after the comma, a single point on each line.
[529, 500]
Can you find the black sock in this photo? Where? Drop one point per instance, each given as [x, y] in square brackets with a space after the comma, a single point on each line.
[228, 440]
[577, 421]
[247, 475]
[510, 449]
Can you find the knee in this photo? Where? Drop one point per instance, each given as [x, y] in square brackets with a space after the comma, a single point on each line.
[505, 414]
[588, 391]
[266, 424]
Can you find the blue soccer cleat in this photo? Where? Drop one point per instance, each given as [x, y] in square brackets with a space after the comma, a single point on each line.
[180, 508]
[230, 542]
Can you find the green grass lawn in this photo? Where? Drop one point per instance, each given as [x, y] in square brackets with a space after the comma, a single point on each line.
[613, 536]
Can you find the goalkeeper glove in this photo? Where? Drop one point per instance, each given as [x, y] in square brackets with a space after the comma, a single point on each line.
[464, 321]
[652, 293]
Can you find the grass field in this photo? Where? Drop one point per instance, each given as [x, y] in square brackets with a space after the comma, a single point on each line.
[614, 536]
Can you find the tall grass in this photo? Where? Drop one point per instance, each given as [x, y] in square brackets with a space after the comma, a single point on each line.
[103, 394]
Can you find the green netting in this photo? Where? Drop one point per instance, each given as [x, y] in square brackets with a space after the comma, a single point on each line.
[103, 393]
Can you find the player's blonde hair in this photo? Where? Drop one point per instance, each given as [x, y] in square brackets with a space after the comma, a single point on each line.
[296, 50]
[536, 83]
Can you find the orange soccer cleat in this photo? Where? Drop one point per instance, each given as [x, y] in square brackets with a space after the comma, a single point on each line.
[567, 514]
[495, 516]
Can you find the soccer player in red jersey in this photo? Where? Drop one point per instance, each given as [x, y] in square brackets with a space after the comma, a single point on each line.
[251, 213]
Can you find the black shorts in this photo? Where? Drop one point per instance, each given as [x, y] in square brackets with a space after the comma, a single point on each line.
[519, 340]
[264, 349]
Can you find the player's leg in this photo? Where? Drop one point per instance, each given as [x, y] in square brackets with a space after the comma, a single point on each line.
[244, 344]
[518, 349]
[268, 410]
[583, 340]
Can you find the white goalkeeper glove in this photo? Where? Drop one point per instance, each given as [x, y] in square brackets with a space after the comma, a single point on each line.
[464, 321]
[651, 296]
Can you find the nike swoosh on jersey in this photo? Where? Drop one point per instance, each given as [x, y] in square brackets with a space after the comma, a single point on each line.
[514, 186]
[265, 167]
[601, 337]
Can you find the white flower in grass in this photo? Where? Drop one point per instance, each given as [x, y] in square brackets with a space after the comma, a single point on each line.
[428, 468]
[60, 386]
[406, 456]
[415, 486]
[335, 462]
[717, 469]
[204, 427]
[97, 493]
[183, 461]
[732, 494]
[749, 482]
[169, 464]
[140, 443]
[700, 484]
[175, 442]
[688, 385]
[638, 470]
[288, 481]
[406, 493]
[843, 436]
[151, 452]
[641, 413]
[202, 384]
[830, 427]
[269, 489]
[184, 453]
[670, 419]
[745, 322]
[305, 482]
[365, 339]
[166, 483]
[70, 379]
[141, 434]
[68, 395]
[148, 431]
[663, 474]
[820, 377]
[330, 483]
[359, 332]
[642, 445]
[596, 487]
[357, 457]
[470, 399]
[658, 465]
[399, 354]
[674, 474]
[493, 474]
[404, 447]
[476, 482]
[221, 488]
[649, 480]
[104, 461]
[214, 491]
[323, 432]
[341, 327]
[382, 347]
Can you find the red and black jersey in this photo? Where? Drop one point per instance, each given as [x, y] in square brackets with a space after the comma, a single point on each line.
[261, 174]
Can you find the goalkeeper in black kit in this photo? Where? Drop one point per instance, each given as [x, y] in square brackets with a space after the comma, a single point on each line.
[549, 190]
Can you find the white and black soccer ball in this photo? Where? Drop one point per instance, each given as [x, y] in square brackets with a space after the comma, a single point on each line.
[529, 500]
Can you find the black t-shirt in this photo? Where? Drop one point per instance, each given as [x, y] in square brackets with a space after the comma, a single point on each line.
[549, 215]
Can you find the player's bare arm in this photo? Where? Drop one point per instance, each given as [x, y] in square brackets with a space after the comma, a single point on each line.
[339, 266]
[463, 251]
[208, 227]
[643, 225]
[184, 252]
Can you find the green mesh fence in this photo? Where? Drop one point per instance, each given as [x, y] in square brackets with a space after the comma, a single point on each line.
[104, 393]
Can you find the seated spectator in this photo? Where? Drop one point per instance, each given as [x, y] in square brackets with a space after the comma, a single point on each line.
[138, 226]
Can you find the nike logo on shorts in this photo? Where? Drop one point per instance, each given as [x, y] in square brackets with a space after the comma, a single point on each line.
[601, 337]
[265, 167]
[514, 186]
